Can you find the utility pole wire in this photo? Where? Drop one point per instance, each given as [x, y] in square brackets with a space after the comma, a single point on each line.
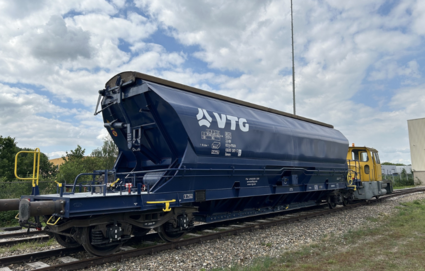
[293, 61]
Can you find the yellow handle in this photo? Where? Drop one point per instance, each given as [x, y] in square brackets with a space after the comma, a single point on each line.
[53, 224]
[59, 184]
[167, 204]
[17, 216]
[350, 184]
[114, 182]
[35, 174]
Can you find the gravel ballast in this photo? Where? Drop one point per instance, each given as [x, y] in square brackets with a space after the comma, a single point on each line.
[243, 248]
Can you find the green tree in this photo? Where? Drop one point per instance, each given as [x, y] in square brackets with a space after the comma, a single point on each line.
[76, 163]
[73, 165]
[107, 153]
[26, 164]
[403, 174]
[8, 151]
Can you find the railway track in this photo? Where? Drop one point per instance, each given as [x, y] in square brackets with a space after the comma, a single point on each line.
[11, 239]
[204, 233]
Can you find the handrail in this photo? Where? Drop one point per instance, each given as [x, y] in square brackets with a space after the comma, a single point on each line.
[82, 174]
[35, 174]
[281, 170]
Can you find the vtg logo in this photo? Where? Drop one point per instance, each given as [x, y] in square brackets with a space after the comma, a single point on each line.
[204, 119]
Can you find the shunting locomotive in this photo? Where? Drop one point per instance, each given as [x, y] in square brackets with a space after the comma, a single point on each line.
[189, 155]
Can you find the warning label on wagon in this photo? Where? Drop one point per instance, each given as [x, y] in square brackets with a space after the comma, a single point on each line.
[211, 135]
[251, 181]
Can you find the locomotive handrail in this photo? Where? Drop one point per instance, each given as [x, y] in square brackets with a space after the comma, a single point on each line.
[35, 174]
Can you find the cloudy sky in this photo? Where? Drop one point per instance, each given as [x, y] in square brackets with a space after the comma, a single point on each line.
[359, 64]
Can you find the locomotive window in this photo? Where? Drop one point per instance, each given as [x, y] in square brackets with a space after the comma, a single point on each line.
[364, 157]
[359, 155]
[377, 158]
[355, 156]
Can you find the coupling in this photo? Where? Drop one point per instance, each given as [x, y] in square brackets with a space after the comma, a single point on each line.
[28, 208]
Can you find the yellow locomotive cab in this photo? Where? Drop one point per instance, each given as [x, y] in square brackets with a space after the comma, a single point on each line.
[365, 163]
[365, 168]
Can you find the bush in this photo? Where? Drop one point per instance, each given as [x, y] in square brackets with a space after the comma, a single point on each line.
[400, 180]
[16, 189]
[8, 218]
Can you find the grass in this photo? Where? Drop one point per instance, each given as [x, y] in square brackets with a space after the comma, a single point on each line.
[405, 186]
[395, 245]
[28, 245]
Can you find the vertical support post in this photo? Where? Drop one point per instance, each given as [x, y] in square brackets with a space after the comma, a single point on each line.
[105, 183]
[92, 183]
[139, 188]
[293, 60]
[61, 191]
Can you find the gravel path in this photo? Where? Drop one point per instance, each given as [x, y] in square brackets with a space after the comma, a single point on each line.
[242, 249]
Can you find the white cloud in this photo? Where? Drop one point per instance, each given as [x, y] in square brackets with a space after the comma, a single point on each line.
[56, 154]
[390, 69]
[56, 41]
[35, 122]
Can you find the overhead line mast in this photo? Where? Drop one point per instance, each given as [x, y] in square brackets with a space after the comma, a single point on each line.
[293, 62]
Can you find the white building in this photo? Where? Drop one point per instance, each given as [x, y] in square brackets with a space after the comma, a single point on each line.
[417, 148]
[389, 170]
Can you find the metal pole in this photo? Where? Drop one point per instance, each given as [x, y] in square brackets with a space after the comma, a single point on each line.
[293, 61]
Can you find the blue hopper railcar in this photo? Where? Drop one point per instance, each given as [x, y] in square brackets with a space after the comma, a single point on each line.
[189, 155]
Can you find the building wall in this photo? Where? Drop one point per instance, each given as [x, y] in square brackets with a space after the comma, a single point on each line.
[419, 177]
[417, 143]
[388, 169]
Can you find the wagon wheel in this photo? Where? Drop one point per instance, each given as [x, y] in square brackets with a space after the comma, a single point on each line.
[167, 235]
[345, 202]
[332, 204]
[96, 250]
[66, 241]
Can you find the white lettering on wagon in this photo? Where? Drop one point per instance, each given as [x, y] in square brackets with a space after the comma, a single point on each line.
[188, 196]
[204, 119]
[251, 181]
